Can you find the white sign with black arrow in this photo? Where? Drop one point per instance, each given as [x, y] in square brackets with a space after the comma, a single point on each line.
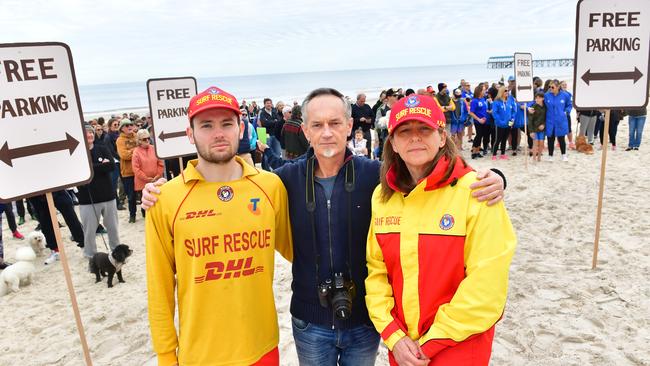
[169, 100]
[524, 77]
[611, 54]
[41, 123]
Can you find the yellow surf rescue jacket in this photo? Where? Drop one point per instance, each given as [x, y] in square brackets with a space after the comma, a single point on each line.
[438, 262]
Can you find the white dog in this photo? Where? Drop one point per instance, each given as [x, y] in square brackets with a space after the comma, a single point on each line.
[19, 273]
[37, 240]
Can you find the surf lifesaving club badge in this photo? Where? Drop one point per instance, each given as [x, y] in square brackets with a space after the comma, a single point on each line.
[446, 222]
[225, 193]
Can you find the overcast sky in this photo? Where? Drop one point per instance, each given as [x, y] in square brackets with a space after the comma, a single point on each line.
[134, 40]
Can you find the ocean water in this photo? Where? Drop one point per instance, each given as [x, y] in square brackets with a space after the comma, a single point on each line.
[106, 98]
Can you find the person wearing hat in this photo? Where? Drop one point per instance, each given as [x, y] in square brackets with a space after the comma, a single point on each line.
[445, 102]
[382, 118]
[126, 143]
[436, 287]
[97, 198]
[146, 165]
[210, 243]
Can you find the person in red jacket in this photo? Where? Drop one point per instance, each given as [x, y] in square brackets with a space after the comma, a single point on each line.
[437, 258]
[146, 166]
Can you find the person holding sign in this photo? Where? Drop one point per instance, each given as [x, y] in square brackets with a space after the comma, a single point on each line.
[435, 287]
[210, 242]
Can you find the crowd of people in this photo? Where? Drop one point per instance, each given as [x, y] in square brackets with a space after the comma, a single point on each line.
[487, 116]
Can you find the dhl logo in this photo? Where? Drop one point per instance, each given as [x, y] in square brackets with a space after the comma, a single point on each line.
[198, 214]
[234, 268]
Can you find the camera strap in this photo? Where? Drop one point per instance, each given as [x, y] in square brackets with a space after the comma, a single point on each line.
[311, 208]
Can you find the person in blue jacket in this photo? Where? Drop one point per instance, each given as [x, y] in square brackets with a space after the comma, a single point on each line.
[563, 89]
[503, 121]
[558, 105]
[517, 115]
[478, 113]
[492, 136]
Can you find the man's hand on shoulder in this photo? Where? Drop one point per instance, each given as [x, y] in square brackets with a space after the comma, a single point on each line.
[488, 188]
[150, 192]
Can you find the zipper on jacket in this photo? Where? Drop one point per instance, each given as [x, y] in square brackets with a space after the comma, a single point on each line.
[329, 232]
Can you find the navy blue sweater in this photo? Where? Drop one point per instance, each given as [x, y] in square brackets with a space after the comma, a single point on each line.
[330, 227]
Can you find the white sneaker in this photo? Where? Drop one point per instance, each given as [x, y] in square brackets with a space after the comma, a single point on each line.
[565, 157]
[549, 158]
[52, 258]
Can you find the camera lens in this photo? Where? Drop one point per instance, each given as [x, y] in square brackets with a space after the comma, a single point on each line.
[342, 304]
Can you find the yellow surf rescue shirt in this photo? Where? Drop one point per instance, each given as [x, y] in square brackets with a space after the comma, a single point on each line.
[212, 245]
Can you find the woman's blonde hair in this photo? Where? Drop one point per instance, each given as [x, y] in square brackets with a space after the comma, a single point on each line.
[500, 93]
[403, 179]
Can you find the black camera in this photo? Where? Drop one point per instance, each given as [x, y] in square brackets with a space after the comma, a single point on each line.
[338, 293]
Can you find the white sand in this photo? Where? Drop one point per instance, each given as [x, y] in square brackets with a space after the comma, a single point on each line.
[559, 311]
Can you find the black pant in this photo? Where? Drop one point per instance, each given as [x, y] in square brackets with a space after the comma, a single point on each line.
[493, 135]
[502, 137]
[482, 135]
[551, 144]
[11, 218]
[20, 207]
[613, 129]
[514, 138]
[63, 203]
[130, 193]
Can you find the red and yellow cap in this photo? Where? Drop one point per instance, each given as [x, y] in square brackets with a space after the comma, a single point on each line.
[210, 98]
[416, 108]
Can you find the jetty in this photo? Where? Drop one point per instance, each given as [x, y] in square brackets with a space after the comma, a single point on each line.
[506, 62]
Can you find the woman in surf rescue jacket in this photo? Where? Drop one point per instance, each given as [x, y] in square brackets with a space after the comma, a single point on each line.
[437, 283]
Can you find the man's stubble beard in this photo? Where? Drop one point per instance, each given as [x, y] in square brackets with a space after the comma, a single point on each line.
[210, 157]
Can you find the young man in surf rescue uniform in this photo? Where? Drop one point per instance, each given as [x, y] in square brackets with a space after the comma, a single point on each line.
[210, 240]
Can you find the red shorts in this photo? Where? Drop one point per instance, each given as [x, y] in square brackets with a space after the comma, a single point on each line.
[270, 359]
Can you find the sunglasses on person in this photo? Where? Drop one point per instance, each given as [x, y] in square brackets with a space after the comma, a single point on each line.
[145, 139]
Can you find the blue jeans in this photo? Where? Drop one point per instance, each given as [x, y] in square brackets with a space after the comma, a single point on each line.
[636, 130]
[322, 346]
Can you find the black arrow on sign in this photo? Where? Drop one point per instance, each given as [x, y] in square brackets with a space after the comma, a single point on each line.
[170, 135]
[631, 75]
[524, 87]
[7, 154]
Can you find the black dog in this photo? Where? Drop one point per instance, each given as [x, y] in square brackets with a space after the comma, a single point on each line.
[102, 264]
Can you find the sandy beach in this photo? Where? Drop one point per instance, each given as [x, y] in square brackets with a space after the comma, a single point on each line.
[559, 311]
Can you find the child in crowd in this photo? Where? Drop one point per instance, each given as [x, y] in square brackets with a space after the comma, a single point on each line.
[358, 144]
[457, 122]
[536, 122]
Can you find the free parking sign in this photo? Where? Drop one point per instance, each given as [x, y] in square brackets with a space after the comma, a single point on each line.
[524, 76]
[169, 100]
[611, 54]
[42, 140]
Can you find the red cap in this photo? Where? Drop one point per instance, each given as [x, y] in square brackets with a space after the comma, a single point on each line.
[210, 98]
[416, 108]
